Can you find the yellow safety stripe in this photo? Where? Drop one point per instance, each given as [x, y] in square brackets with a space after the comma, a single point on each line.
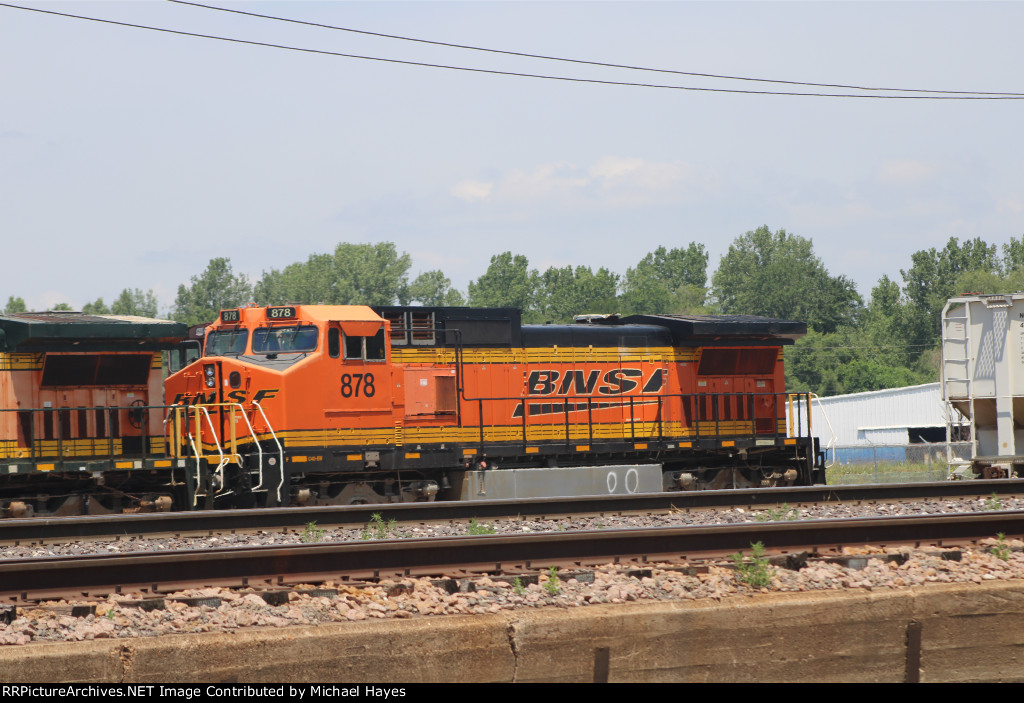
[544, 355]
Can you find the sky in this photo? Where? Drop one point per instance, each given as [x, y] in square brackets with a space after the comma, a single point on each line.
[130, 158]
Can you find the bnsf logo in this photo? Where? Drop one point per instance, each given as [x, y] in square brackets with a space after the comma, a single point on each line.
[232, 397]
[613, 382]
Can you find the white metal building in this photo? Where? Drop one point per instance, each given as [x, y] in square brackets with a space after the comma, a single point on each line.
[892, 416]
[892, 419]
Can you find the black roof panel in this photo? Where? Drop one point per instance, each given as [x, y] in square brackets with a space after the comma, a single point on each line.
[684, 327]
[75, 331]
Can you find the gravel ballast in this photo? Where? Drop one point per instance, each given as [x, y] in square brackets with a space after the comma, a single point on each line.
[225, 610]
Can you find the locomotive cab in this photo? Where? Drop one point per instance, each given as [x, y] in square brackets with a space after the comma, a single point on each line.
[274, 378]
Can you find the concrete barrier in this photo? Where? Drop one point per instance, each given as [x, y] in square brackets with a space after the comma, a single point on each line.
[935, 633]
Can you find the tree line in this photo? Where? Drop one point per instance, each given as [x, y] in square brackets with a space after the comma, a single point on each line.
[852, 345]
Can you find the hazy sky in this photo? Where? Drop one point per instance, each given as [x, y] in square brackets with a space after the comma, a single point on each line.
[129, 158]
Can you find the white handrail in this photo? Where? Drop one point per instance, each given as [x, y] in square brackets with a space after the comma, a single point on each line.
[255, 439]
[216, 442]
[195, 453]
[832, 442]
[280, 449]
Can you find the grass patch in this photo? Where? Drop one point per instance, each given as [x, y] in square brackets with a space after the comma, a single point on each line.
[312, 534]
[1001, 550]
[994, 502]
[378, 529]
[553, 585]
[754, 571]
[480, 528]
[886, 472]
[779, 514]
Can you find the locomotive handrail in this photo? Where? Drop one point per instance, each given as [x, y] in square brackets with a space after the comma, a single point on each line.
[63, 439]
[256, 441]
[280, 448]
[697, 414]
[831, 444]
[233, 448]
[220, 466]
[195, 452]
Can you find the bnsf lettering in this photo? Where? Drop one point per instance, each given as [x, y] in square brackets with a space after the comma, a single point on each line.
[580, 386]
[264, 393]
[614, 382]
[541, 382]
[655, 382]
[238, 396]
[197, 399]
[619, 381]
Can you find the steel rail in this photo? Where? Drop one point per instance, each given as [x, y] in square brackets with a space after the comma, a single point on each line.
[156, 572]
[35, 530]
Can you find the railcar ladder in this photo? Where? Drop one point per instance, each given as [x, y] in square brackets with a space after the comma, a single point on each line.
[956, 368]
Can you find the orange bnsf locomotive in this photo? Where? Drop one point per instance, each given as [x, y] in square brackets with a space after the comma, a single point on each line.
[318, 404]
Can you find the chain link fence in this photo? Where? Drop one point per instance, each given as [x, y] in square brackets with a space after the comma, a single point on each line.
[893, 463]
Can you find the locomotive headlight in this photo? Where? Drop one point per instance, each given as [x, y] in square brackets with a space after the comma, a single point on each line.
[210, 374]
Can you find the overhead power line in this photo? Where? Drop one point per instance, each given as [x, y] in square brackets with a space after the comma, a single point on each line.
[581, 61]
[468, 69]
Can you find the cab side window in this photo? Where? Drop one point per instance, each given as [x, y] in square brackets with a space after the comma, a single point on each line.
[365, 348]
[353, 347]
[375, 347]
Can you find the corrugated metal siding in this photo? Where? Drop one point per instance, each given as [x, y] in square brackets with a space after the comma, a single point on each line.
[879, 417]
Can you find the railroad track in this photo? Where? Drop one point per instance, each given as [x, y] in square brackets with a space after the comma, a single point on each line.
[42, 530]
[273, 566]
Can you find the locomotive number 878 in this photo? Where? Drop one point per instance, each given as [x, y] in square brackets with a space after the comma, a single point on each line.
[313, 404]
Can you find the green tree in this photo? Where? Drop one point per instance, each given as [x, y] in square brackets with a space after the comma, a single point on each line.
[566, 292]
[847, 362]
[98, 307]
[215, 289]
[371, 274]
[1013, 255]
[15, 305]
[990, 282]
[311, 282]
[934, 276]
[433, 288]
[133, 301]
[871, 356]
[356, 274]
[508, 282]
[61, 307]
[778, 275]
[667, 281]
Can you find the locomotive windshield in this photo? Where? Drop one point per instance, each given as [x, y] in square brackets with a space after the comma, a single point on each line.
[273, 340]
[226, 342]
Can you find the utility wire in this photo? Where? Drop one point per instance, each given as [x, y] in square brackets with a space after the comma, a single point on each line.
[512, 73]
[580, 61]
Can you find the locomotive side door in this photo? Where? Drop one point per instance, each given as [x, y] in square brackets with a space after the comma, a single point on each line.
[641, 378]
[766, 404]
[358, 389]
